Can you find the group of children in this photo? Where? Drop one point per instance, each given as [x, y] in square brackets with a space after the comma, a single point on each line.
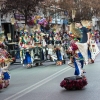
[48, 45]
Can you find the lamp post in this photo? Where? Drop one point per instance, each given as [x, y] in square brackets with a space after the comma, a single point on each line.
[63, 24]
[12, 33]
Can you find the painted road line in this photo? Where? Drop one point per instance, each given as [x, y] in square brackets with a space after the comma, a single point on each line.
[39, 85]
[9, 98]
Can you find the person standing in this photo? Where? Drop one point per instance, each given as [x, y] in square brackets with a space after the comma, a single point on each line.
[84, 40]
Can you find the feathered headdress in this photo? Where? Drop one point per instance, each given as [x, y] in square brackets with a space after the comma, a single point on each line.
[75, 31]
[86, 23]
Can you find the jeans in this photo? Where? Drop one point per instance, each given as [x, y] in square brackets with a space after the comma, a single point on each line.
[89, 54]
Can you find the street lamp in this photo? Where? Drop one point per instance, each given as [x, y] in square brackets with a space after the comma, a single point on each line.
[12, 33]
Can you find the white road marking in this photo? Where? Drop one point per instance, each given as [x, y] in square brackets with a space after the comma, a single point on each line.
[40, 85]
[36, 85]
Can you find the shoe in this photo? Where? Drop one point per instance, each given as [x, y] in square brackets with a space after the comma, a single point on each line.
[71, 64]
[92, 61]
[37, 64]
[28, 66]
[86, 63]
[84, 71]
[41, 64]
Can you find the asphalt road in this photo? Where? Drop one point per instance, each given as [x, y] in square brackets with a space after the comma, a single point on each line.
[43, 83]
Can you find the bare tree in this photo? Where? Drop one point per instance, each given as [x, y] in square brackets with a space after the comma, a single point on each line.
[85, 9]
[24, 7]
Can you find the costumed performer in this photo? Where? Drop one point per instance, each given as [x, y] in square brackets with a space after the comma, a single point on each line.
[89, 49]
[76, 60]
[38, 51]
[93, 48]
[84, 40]
[59, 50]
[88, 25]
[50, 49]
[74, 51]
[5, 73]
[25, 54]
[78, 81]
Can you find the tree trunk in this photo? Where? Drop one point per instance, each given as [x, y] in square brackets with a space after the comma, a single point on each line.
[25, 19]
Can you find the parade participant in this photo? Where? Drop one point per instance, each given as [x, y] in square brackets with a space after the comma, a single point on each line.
[73, 50]
[93, 47]
[59, 50]
[25, 45]
[3, 51]
[88, 25]
[51, 41]
[84, 40]
[58, 39]
[20, 46]
[46, 37]
[89, 50]
[50, 46]
[76, 54]
[38, 50]
[28, 57]
[96, 35]
[38, 53]
[78, 81]
[6, 76]
[4, 65]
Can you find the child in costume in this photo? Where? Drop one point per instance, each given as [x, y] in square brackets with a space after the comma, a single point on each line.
[59, 50]
[76, 55]
[93, 48]
[25, 44]
[6, 76]
[38, 52]
[78, 81]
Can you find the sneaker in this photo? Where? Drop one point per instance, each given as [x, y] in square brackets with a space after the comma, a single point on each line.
[86, 63]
